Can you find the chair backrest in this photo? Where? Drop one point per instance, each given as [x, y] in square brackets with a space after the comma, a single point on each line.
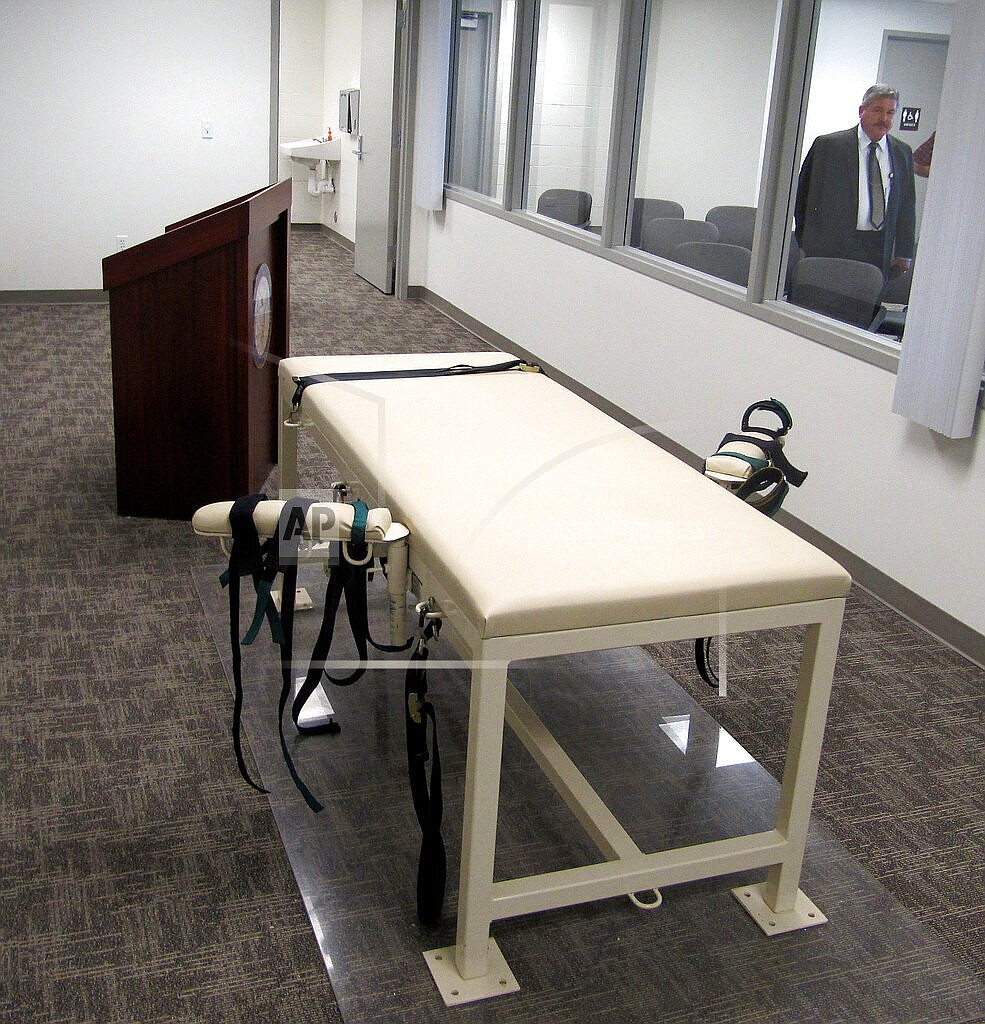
[570, 205]
[846, 290]
[662, 235]
[719, 259]
[646, 209]
[735, 224]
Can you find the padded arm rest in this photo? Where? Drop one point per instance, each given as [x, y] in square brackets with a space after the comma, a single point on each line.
[727, 464]
[326, 520]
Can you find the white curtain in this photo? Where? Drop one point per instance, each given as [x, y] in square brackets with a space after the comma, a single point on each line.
[943, 349]
[431, 114]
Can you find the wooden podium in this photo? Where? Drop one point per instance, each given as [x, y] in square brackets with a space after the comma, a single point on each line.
[199, 321]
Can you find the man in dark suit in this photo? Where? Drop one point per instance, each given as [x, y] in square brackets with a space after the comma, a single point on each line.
[855, 196]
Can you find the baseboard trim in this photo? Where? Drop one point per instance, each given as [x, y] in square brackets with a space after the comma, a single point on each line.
[324, 229]
[341, 240]
[944, 627]
[60, 296]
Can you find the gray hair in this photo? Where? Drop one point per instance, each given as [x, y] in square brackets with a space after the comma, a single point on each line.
[879, 91]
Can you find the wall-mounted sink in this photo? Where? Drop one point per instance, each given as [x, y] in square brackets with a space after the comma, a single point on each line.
[310, 151]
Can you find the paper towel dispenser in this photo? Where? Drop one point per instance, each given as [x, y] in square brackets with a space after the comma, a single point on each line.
[349, 111]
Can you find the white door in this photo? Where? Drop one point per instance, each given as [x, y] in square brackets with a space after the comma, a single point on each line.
[377, 143]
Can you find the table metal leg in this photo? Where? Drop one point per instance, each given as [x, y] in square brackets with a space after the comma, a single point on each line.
[474, 968]
[287, 450]
[778, 905]
[482, 775]
[397, 586]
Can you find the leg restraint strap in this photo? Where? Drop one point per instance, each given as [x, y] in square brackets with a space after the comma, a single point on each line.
[755, 468]
[245, 559]
[432, 863]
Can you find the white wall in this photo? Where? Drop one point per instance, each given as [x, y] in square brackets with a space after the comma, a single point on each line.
[343, 44]
[103, 104]
[301, 96]
[320, 55]
[898, 496]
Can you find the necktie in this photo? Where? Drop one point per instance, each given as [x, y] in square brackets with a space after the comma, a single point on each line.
[877, 198]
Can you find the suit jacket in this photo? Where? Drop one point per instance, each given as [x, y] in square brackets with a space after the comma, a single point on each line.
[826, 210]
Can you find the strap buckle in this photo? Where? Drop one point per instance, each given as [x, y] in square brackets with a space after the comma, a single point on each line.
[414, 707]
[429, 622]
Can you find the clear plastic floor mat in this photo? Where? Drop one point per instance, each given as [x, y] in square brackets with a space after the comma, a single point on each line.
[664, 767]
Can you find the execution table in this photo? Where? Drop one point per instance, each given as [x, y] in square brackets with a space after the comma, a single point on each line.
[540, 526]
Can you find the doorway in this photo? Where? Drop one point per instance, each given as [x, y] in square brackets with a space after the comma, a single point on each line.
[472, 161]
[305, 96]
[913, 63]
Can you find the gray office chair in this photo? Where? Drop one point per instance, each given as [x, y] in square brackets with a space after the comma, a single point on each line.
[845, 290]
[572, 206]
[728, 262]
[895, 292]
[645, 210]
[662, 235]
[735, 224]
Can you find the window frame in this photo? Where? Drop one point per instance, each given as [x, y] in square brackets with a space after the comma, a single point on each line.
[793, 52]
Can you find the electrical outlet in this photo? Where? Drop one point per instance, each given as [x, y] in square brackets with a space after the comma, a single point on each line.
[121, 242]
[207, 130]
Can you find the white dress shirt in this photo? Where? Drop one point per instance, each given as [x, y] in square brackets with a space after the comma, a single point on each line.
[885, 168]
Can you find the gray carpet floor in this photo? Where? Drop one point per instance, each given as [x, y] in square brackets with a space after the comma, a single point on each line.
[142, 881]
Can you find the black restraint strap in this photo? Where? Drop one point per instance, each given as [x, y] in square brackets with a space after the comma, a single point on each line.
[263, 562]
[775, 406]
[762, 480]
[289, 541]
[432, 864]
[702, 659]
[244, 559]
[349, 581]
[345, 580]
[262, 583]
[458, 370]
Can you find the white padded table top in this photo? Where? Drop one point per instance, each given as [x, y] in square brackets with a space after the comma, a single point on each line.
[541, 513]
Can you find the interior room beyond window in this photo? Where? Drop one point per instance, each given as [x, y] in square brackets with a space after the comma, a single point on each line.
[706, 87]
[669, 134]
[573, 86]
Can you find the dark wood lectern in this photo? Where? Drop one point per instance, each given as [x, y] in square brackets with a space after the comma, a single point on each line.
[199, 320]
